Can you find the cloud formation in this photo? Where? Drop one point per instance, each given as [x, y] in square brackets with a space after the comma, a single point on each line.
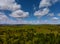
[19, 14]
[50, 14]
[44, 10]
[5, 20]
[44, 3]
[55, 18]
[41, 12]
[15, 9]
[9, 5]
[58, 14]
[47, 3]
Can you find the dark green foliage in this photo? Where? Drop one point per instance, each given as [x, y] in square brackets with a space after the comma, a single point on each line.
[15, 35]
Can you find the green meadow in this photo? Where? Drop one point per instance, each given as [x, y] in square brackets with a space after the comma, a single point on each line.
[30, 34]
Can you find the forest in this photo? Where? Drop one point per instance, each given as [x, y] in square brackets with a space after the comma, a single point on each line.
[30, 34]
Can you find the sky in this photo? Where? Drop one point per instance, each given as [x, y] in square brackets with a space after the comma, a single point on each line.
[29, 11]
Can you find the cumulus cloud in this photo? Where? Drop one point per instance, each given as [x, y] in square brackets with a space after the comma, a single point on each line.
[44, 3]
[54, 1]
[43, 12]
[3, 18]
[47, 3]
[44, 8]
[50, 14]
[55, 18]
[6, 20]
[9, 5]
[14, 7]
[19, 14]
[16, 12]
[58, 14]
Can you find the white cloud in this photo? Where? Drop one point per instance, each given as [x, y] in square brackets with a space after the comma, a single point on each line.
[38, 22]
[9, 5]
[54, 1]
[50, 14]
[44, 3]
[43, 12]
[5, 20]
[15, 8]
[58, 14]
[12, 6]
[2, 16]
[19, 14]
[44, 8]
[47, 3]
[55, 18]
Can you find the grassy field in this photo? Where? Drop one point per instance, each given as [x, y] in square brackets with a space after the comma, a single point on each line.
[30, 34]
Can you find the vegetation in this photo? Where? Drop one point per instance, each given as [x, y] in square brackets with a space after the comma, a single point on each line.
[30, 34]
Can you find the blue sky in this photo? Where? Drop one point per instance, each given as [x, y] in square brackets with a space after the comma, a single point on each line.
[29, 12]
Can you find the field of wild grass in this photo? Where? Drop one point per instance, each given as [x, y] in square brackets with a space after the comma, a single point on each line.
[30, 34]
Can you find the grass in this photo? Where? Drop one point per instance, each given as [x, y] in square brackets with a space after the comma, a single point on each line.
[15, 32]
[38, 28]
